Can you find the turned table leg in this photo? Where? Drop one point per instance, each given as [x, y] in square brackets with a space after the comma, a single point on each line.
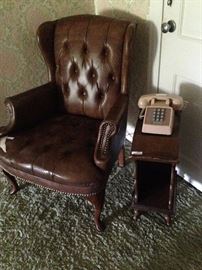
[11, 179]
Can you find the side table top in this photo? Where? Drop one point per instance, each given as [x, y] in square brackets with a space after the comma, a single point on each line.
[156, 148]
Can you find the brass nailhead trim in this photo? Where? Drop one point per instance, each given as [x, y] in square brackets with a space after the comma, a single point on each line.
[67, 193]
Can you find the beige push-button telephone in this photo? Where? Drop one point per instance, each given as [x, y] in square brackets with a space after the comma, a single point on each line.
[158, 112]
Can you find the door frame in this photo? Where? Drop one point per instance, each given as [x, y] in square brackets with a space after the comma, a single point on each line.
[155, 17]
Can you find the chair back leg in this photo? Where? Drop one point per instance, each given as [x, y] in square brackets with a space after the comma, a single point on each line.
[121, 157]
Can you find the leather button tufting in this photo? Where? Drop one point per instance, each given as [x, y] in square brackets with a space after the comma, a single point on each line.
[84, 55]
[74, 71]
[111, 77]
[82, 93]
[100, 96]
[85, 48]
[105, 53]
[92, 75]
[105, 50]
[66, 45]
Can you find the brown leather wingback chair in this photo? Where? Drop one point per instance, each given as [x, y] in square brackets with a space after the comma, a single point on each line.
[67, 134]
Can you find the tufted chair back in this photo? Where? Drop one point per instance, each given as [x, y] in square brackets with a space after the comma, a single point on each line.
[90, 62]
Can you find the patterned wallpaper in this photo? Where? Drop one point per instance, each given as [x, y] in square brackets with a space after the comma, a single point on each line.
[123, 8]
[21, 66]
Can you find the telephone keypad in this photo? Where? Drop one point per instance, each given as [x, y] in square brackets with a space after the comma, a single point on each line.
[158, 115]
[158, 120]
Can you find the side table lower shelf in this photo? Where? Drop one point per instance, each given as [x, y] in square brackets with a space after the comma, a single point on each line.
[155, 157]
[155, 188]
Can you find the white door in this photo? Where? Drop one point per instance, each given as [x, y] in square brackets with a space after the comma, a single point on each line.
[180, 72]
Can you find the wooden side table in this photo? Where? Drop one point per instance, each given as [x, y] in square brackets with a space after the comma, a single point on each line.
[155, 157]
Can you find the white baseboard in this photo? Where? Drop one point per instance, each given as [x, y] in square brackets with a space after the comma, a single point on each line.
[189, 179]
[129, 132]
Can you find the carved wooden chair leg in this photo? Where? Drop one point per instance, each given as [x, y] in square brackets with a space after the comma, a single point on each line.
[98, 201]
[121, 157]
[11, 179]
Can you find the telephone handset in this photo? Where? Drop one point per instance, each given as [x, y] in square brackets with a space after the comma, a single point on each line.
[158, 112]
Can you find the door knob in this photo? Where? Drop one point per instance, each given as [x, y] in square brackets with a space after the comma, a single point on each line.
[170, 26]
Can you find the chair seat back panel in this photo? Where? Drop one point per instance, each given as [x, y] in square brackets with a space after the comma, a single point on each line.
[88, 56]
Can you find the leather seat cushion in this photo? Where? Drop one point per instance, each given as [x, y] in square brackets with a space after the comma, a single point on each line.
[60, 150]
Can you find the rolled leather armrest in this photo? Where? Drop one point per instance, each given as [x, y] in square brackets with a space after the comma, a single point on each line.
[111, 134]
[31, 107]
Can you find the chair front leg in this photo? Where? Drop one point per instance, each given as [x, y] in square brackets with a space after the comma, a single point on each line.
[11, 179]
[98, 201]
[121, 157]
